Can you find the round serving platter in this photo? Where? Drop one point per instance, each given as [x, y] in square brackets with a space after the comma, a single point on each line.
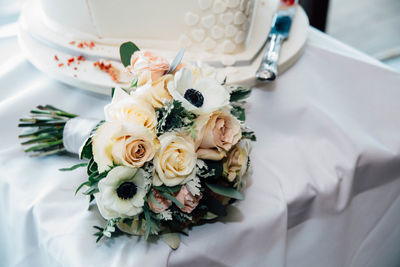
[55, 52]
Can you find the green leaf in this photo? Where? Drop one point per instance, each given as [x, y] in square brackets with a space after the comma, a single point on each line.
[74, 167]
[128, 221]
[172, 239]
[112, 92]
[249, 135]
[214, 205]
[173, 116]
[126, 51]
[225, 191]
[133, 84]
[154, 200]
[239, 93]
[239, 112]
[86, 152]
[173, 199]
[80, 187]
[215, 168]
[139, 226]
[177, 60]
[148, 222]
[168, 189]
[224, 81]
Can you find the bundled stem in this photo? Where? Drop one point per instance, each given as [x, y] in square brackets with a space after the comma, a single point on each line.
[45, 126]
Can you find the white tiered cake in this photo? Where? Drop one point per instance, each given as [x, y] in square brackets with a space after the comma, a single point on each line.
[213, 26]
[70, 39]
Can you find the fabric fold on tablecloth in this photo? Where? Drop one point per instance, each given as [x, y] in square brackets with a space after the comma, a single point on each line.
[325, 173]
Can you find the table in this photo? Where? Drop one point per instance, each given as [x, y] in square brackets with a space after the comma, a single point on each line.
[324, 189]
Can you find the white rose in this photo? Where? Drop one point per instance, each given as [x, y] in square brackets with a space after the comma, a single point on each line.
[129, 109]
[198, 94]
[176, 160]
[129, 145]
[121, 193]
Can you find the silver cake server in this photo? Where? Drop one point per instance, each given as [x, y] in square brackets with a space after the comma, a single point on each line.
[280, 28]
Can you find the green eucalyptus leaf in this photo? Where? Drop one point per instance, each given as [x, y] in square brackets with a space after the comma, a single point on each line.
[173, 199]
[154, 200]
[126, 51]
[177, 60]
[172, 239]
[225, 191]
[148, 222]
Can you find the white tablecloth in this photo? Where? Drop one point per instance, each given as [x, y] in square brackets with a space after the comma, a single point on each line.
[324, 190]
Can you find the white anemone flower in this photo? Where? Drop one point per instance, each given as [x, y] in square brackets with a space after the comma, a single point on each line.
[121, 192]
[198, 93]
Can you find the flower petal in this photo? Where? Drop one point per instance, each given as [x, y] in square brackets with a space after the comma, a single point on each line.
[102, 144]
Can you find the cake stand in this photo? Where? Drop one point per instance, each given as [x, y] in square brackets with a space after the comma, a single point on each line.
[54, 51]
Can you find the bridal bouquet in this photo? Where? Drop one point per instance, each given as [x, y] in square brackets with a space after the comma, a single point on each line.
[171, 153]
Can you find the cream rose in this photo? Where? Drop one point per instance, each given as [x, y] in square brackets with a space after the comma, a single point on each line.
[176, 159]
[154, 91]
[128, 109]
[143, 62]
[217, 133]
[129, 145]
[235, 164]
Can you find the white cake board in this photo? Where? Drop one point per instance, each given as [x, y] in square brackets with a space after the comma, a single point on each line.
[41, 43]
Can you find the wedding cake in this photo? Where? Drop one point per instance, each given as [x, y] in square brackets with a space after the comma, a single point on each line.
[210, 26]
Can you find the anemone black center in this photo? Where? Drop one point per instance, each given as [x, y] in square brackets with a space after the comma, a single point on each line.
[126, 190]
[194, 97]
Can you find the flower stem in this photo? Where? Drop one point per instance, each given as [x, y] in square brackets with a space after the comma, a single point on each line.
[44, 130]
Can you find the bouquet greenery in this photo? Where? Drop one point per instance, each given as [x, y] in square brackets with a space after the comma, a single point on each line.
[171, 153]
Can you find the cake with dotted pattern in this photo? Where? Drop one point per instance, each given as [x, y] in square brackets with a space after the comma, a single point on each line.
[211, 26]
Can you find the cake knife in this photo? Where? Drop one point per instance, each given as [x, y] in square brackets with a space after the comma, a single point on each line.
[280, 28]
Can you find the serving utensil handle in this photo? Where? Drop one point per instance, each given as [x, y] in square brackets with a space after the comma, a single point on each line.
[268, 69]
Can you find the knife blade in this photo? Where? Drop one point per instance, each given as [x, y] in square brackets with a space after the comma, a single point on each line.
[280, 29]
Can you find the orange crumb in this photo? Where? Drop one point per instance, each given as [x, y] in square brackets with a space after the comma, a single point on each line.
[70, 60]
[60, 64]
[109, 68]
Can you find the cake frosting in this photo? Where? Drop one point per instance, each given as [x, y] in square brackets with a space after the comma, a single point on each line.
[212, 26]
